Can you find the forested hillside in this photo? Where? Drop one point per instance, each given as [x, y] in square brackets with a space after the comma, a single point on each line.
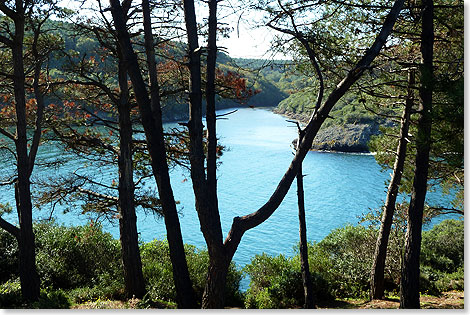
[270, 81]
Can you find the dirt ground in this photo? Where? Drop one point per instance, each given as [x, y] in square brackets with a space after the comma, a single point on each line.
[448, 300]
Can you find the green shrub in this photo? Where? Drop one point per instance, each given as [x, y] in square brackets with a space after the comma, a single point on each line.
[79, 256]
[10, 294]
[339, 266]
[442, 258]
[434, 282]
[112, 290]
[276, 282]
[344, 258]
[52, 299]
[451, 281]
[443, 246]
[158, 273]
[8, 256]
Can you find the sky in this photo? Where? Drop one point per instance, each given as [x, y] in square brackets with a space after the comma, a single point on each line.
[245, 41]
[249, 41]
[254, 43]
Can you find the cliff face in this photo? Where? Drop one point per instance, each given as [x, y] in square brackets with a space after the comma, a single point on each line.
[346, 138]
[339, 138]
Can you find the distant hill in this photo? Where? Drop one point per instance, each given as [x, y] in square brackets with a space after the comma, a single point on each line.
[277, 84]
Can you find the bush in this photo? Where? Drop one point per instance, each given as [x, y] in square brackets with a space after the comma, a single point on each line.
[158, 273]
[339, 265]
[443, 246]
[10, 294]
[344, 258]
[10, 297]
[8, 256]
[442, 258]
[52, 299]
[112, 290]
[79, 256]
[276, 282]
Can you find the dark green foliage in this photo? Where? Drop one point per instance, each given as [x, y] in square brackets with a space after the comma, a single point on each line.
[112, 289]
[344, 258]
[10, 297]
[159, 275]
[10, 294]
[85, 261]
[340, 266]
[52, 299]
[88, 268]
[347, 111]
[276, 282]
[80, 256]
[8, 256]
[443, 246]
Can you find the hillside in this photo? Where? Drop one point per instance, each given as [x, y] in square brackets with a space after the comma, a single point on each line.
[275, 84]
[348, 130]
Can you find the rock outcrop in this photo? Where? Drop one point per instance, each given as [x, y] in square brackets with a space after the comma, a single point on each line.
[346, 138]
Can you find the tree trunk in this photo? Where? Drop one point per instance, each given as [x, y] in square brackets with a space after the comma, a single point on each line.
[152, 123]
[409, 287]
[205, 189]
[378, 267]
[27, 257]
[133, 276]
[304, 267]
[214, 291]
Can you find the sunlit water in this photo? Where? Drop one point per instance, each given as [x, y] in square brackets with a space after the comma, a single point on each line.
[338, 187]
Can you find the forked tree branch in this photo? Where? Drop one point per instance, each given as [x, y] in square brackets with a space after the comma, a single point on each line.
[242, 224]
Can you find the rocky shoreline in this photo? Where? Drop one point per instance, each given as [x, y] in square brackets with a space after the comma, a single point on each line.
[351, 138]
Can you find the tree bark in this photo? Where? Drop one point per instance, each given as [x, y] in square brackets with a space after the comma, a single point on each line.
[152, 123]
[133, 276]
[210, 112]
[214, 291]
[309, 302]
[27, 257]
[205, 188]
[409, 286]
[378, 266]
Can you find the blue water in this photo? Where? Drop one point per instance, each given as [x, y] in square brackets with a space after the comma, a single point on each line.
[338, 187]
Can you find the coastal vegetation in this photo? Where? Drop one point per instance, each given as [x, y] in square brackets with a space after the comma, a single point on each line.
[88, 269]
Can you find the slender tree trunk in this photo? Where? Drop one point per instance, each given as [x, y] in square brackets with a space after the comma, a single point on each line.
[205, 188]
[378, 267]
[304, 267]
[27, 257]
[214, 293]
[133, 276]
[409, 288]
[153, 127]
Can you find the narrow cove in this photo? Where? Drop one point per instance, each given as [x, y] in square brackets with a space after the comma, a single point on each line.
[339, 188]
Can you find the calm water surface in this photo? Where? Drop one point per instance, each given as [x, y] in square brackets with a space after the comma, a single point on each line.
[338, 187]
